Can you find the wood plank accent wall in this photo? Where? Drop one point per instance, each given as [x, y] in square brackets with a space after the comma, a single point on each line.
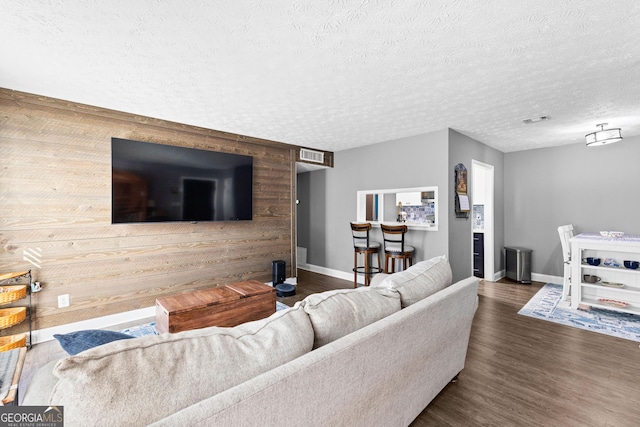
[55, 212]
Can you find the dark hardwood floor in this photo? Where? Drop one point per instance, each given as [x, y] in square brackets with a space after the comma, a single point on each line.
[311, 283]
[522, 371]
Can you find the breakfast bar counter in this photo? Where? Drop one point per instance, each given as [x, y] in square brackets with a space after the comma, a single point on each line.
[410, 224]
[599, 277]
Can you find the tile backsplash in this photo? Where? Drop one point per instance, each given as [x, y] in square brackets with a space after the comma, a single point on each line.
[478, 217]
[420, 214]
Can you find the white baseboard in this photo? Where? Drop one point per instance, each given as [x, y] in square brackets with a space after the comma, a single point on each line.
[536, 277]
[330, 272]
[498, 275]
[547, 278]
[289, 280]
[46, 334]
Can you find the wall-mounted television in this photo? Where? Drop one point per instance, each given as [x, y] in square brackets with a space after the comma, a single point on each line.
[156, 182]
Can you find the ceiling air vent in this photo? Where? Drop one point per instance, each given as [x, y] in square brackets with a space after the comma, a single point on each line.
[535, 120]
[311, 156]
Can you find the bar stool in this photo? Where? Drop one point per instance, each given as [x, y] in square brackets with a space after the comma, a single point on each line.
[395, 248]
[363, 245]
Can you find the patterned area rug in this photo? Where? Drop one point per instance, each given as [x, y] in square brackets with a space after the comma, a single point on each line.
[150, 328]
[547, 304]
[8, 363]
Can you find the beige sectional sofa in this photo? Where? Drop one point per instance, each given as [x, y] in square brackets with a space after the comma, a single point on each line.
[372, 356]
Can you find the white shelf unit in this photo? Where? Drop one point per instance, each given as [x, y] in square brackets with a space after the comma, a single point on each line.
[589, 293]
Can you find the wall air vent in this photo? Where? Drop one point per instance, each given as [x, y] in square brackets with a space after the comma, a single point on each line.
[311, 156]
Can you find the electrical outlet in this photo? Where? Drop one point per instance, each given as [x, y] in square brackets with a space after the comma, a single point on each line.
[63, 301]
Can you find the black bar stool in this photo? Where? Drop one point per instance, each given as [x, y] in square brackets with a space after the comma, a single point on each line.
[395, 247]
[363, 245]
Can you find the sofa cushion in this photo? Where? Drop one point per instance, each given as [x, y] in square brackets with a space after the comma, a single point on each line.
[335, 314]
[146, 379]
[418, 281]
[79, 341]
[378, 278]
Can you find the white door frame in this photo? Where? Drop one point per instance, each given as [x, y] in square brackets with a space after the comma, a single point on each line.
[489, 214]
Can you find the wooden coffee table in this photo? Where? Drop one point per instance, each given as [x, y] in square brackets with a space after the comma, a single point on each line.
[227, 305]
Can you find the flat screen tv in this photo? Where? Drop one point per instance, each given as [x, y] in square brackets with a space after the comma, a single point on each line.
[155, 182]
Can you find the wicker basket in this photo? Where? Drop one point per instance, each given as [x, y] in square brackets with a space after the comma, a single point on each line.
[12, 316]
[13, 341]
[13, 275]
[10, 294]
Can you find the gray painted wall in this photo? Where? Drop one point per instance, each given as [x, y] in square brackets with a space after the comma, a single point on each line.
[535, 192]
[463, 149]
[593, 188]
[303, 213]
[407, 162]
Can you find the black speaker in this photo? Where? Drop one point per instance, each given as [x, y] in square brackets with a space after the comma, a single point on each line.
[279, 270]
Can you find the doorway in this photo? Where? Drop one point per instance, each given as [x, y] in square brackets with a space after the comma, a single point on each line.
[482, 196]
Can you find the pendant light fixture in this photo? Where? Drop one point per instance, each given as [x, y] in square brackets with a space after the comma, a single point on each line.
[603, 136]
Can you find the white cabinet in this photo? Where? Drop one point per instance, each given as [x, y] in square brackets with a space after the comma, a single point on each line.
[409, 199]
[619, 287]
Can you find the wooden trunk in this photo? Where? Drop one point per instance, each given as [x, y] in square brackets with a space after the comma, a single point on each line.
[228, 305]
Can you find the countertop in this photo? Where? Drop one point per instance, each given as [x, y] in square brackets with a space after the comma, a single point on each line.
[411, 225]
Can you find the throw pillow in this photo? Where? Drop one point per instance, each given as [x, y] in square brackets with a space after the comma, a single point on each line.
[335, 314]
[420, 280]
[75, 342]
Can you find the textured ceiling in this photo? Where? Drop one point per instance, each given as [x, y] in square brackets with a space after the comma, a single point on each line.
[338, 74]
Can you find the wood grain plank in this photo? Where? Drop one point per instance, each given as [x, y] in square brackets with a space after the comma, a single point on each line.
[55, 211]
